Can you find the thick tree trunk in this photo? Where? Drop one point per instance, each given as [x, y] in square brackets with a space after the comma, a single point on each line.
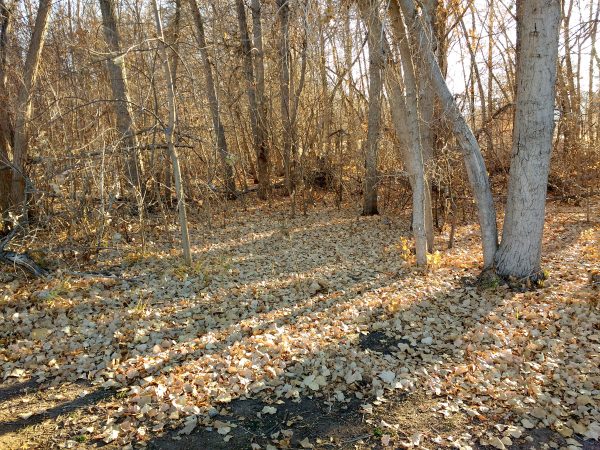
[24, 105]
[213, 102]
[475, 165]
[369, 12]
[537, 51]
[118, 81]
[169, 134]
[257, 121]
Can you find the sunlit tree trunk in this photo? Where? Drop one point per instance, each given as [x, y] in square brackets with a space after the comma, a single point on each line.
[118, 81]
[405, 115]
[475, 165]
[422, 158]
[169, 134]
[213, 102]
[24, 102]
[538, 22]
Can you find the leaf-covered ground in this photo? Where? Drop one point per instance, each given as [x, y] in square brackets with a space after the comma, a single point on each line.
[315, 332]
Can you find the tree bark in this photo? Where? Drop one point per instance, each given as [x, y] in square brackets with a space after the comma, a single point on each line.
[405, 115]
[538, 22]
[169, 134]
[475, 165]
[284, 90]
[262, 150]
[213, 102]
[256, 120]
[6, 19]
[422, 158]
[24, 103]
[118, 81]
[369, 12]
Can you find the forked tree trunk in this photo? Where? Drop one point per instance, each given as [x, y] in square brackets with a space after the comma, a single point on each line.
[169, 134]
[537, 52]
[213, 103]
[118, 82]
[475, 165]
[405, 123]
[419, 155]
[369, 12]
[24, 103]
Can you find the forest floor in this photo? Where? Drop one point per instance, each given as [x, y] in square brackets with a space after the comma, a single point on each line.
[313, 332]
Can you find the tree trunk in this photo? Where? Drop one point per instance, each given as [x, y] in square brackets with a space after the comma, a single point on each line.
[256, 119]
[537, 51]
[118, 81]
[284, 90]
[474, 162]
[369, 12]
[262, 150]
[213, 102]
[405, 115]
[6, 19]
[169, 134]
[24, 104]
[421, 157]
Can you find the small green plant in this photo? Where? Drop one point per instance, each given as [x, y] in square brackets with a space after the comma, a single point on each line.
[121, 395]
[378, 432]
[140, 306]
[81, 438]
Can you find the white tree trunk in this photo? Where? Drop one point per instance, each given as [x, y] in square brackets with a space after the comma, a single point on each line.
[405, 115]
[169, 133]
[537, 49]
[475, 165]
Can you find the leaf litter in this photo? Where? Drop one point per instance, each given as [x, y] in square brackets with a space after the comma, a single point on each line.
[281, 317]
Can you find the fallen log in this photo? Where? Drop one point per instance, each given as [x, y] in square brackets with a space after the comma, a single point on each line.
[21, 260]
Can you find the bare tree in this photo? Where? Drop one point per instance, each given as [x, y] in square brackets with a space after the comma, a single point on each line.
[262, 149]
[405, 115]
[537, 52]
[24, 104]
[169, 134]
[120, 91]
[474, 162]
[257, 121]
[6, 18]
[213, 102]
[370, 11]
